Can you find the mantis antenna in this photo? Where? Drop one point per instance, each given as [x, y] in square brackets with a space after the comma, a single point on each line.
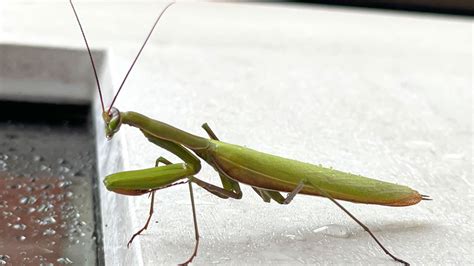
[90, 56]
[131, 66]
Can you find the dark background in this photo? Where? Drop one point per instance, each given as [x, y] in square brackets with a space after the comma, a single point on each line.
[455, 7]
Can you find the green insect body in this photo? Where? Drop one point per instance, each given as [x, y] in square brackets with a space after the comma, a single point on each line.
[272, 172]
[267, 174]
[254, 168]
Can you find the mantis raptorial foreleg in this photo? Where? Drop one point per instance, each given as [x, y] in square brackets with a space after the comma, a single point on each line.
[196, 230]
[152, 195]
[232, 191]
[176, 149]
[152, 202]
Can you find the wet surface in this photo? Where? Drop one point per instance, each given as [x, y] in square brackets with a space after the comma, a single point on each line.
[47, 210]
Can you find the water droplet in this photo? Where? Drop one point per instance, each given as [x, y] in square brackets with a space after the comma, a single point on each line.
[64, 184]
[49, 232]
[3, 165]
[45, 168]
[21, 238]
[334, 230]
[45, 186]
[47, 220]
[19, 226]
[37, 158]
[41, 208]
[64, 169]
[64, 261]
[81, 223]
[28, 200]
[4, 259]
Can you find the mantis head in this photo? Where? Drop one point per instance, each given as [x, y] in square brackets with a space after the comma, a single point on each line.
[113, 121]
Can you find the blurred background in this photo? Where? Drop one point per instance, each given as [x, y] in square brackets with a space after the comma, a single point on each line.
[459, 7]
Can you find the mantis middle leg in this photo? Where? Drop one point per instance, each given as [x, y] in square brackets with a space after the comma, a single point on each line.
[227, 183]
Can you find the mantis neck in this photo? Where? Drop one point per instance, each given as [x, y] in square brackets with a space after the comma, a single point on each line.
[164, 131]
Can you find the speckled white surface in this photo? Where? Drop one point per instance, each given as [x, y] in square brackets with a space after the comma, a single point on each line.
[386, 95]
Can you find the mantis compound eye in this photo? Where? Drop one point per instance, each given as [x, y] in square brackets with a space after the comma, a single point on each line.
[113, 121]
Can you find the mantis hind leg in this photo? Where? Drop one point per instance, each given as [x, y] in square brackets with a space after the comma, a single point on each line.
[327, 195]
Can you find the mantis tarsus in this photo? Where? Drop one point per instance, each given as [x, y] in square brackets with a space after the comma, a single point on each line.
[267, 174]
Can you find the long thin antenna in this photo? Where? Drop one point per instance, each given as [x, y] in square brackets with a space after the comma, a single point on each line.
[90, 56]
[139, 52]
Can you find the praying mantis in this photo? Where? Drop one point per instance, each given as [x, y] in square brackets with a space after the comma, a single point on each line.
[267, 174]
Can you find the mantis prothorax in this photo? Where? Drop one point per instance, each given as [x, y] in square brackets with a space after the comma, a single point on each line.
[267, 174]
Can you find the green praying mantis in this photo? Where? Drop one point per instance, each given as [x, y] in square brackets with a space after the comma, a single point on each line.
[267, 174]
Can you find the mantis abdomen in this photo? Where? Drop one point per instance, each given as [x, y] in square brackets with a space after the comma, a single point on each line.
[272, 172]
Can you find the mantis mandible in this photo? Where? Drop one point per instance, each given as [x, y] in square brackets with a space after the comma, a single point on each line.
[267, 174]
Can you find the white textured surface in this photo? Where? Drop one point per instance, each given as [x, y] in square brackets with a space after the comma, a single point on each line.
[386, 95]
